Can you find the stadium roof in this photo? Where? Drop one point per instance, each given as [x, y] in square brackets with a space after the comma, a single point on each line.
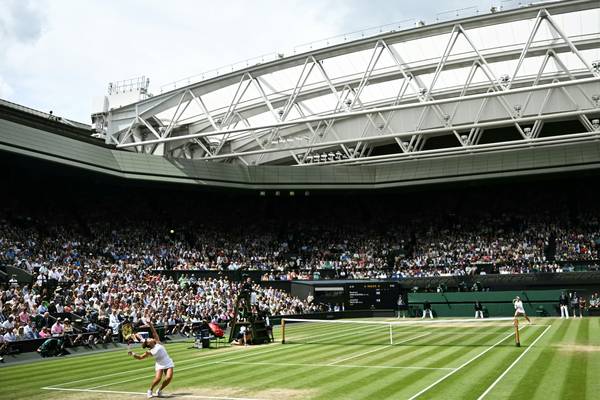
[384, 96]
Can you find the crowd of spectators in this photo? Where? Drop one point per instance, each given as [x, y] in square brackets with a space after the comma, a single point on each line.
[109, 262]
[291, 244]
[105, 296]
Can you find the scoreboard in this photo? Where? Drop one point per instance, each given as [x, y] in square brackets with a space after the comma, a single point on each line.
[364, 295]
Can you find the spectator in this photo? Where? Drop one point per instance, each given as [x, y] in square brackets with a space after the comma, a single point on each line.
[31, 331]
[45, 333]
[93, 337]
[4, 345]
[68, 332]
[20, 333]
[10, 336]
[114, 322]
[57, 329]
[9, 323]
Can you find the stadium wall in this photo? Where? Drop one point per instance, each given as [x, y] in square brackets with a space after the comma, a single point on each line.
[47, 142]
[20, 274]
[498, 304]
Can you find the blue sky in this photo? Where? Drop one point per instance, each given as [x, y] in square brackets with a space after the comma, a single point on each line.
[60, 54]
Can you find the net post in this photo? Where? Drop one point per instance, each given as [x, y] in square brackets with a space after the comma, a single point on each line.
[517, 338]
[282, 331]
[391, 335]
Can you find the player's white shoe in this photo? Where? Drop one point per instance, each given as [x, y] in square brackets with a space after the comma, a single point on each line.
[149, 394]
[158, 393]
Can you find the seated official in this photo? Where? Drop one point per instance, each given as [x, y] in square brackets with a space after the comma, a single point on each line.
[244, 337]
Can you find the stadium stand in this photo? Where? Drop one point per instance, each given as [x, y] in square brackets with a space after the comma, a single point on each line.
[100, 272]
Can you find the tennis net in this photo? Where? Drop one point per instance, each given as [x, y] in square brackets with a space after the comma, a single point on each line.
[477, 332]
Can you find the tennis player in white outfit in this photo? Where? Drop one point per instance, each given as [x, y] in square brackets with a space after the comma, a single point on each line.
[519, 310]
[163, 363]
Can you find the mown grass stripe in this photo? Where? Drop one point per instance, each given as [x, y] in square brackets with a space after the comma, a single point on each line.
[414, 353]
[418, 379]
[348, 375]
[514, 363]
[82, 363]
[483, 370]
[538, 367]
[407, 376]
[443, 347]
[263, 375]
[192, 366]
[577, 370]
[274, 357]
[124, 365]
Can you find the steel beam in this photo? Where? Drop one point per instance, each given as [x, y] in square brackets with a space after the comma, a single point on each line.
[351, 114]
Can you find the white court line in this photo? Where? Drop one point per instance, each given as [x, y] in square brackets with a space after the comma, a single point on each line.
[461, 367]
[512, 365]
[378, 349]
[187, 360]
[184, 361]
[330, 365]
[188, 396]
[348, 332]
[191, 367]
[331, 333]
[359, 354]
[196, 358]
[417, 321]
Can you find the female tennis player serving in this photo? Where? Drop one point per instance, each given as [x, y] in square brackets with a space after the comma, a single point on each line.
[519, 310]
[163, 366]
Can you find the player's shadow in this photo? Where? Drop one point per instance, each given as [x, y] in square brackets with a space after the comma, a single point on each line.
[175, 395]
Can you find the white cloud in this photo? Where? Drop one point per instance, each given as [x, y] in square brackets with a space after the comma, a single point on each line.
[67, 57]
[6, 91]
[58, 55]
[20, 21]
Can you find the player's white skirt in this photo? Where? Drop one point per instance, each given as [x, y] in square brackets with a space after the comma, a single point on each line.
[159, 367]
[520, 311]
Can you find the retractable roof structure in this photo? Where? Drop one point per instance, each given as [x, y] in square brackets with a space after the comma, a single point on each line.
[426, 92]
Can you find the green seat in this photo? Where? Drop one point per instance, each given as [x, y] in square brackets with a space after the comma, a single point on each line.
[486, 313]
[540, 311]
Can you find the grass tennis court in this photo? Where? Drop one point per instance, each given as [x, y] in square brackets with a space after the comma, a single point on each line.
[558, 360]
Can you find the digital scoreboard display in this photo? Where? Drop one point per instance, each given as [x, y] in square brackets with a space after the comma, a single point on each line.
[363, 296]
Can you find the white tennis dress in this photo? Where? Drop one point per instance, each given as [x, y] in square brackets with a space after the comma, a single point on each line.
[162, 359]
[519, 307]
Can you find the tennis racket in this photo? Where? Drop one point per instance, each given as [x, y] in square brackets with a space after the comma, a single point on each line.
[127, 332]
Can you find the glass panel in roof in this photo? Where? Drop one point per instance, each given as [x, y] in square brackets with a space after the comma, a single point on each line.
[380, 91]
[347, 65]
[282, 80]
[320, 105]
[421, 51]
[422, 48]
